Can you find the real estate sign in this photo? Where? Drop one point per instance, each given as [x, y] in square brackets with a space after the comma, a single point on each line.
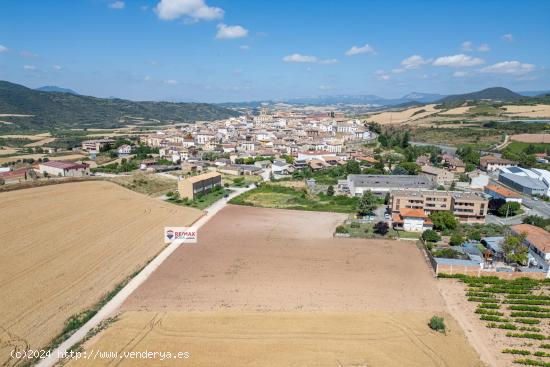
[180, 234]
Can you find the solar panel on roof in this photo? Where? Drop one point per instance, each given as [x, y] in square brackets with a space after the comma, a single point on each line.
[515, 169]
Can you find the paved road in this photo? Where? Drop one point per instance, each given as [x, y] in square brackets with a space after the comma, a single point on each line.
[141, 277]
[538, 207]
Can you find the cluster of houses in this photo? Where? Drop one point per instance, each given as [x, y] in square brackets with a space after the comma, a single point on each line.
[284, 133]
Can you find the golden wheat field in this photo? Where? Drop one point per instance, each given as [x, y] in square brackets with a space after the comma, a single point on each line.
[65, 246]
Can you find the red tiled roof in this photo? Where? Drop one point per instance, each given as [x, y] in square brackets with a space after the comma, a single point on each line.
[537, 236]
[415, 213]
[503, 191]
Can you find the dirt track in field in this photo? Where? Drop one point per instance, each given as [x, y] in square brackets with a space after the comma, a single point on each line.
[269, 287]
[65, 246]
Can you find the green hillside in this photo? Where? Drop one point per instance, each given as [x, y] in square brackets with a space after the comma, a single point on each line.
[64, 110]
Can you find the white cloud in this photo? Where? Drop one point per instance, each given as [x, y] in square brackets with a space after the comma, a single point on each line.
[146, 78]
[329, 62]
[360, 50]
[299, 58]
[244, 47]
[483, 48]
[194, 9]
[144, 7]
[398, 71]
[325, 87]
[468, 46]
[29, 67]
[3, 49]
[230, 31]
[26, 53]
[56, 67]
[507, 37]
[119, 5]
[171, 82]
[457, 61]
[509, 67]
[382, 75]
[414, 62]
[460, 74]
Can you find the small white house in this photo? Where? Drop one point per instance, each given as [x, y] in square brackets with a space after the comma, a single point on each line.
[124, 150]
[412, 220]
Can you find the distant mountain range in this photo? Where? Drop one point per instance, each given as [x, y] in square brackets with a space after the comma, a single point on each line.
[411, 99]
[50, 110]
[53, 88]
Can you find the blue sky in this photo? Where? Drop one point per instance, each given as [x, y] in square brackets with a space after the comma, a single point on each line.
[230, 50]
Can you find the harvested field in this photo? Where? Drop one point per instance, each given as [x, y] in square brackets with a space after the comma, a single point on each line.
[286, 339]
[398, 117]
[65, 246]
[39, 143]
[68, 157]
[531, 138]
[456, 111]
[269, 287]
[537, 111]
[8, 150]
[15, 158]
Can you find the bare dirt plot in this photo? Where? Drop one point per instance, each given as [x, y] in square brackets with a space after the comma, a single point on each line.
[540, 110]
[531, 138]
[269, 287]
[65, 246]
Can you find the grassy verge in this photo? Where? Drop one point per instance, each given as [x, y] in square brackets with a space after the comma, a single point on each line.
[272, 196]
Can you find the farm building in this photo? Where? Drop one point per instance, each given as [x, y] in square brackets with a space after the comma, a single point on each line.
[196, 185]
[64, 169]
[490, 163]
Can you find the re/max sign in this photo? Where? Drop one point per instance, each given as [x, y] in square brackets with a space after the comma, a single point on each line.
[180, 234]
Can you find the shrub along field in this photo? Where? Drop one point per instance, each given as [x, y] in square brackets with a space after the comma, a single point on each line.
[518, 309]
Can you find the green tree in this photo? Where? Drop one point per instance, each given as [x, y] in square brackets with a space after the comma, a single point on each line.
[367, 203]
[381, 228]
[443, 220]
[430, 236]
[410, 167]
[456, 239]
[514, 250]
[509, 209]
[352, 167]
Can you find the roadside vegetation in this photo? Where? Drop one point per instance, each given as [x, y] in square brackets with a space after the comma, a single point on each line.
[202, 201]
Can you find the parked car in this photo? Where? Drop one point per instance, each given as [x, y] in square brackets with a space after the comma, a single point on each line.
[387, 216]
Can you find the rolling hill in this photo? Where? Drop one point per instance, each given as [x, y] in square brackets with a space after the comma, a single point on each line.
[47, 110]
[494, 94]
[55, 89]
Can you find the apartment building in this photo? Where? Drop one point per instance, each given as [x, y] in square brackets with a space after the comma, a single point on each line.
[439, 175]
[467, 207]
[196, 185]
